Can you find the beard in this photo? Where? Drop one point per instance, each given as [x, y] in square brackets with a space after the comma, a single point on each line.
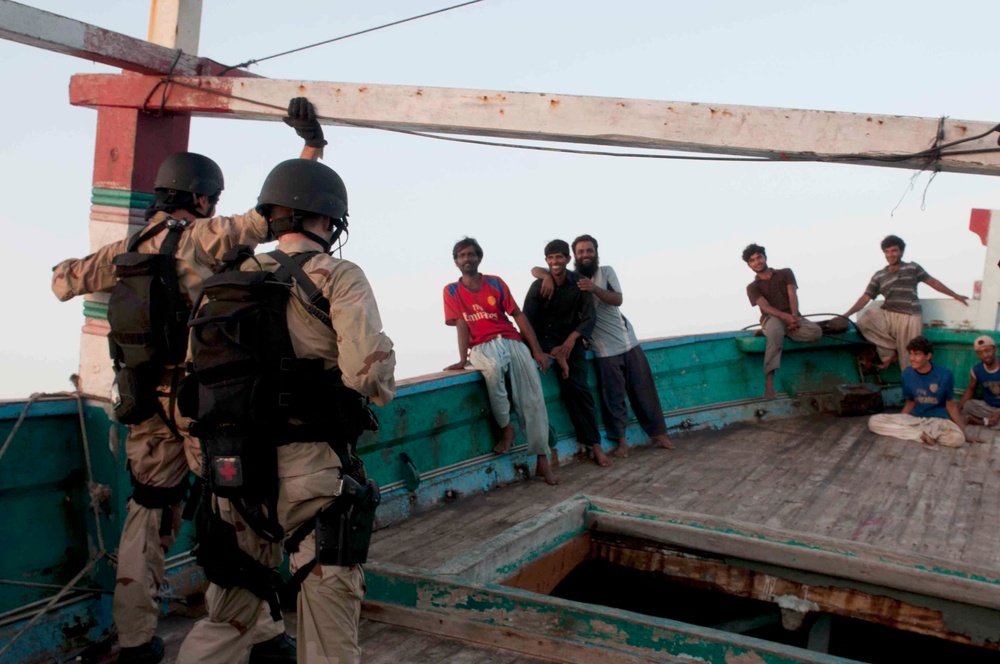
[588, 270]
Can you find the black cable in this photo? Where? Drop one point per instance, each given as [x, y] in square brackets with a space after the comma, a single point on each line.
[353, 34]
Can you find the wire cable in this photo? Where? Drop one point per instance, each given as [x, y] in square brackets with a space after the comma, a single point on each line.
[254, 61]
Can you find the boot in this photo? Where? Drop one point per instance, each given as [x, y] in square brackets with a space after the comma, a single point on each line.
[279, 650]
[148, 653]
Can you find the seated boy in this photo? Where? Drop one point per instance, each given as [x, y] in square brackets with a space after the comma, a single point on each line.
[930, 414]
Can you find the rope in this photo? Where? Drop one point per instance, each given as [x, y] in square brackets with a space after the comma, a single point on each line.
[58, 596]
[92, 489]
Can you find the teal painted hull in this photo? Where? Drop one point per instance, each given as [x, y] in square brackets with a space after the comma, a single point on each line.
[435, 445]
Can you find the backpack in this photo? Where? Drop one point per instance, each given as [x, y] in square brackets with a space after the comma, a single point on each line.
[148, 316]
[246, 387]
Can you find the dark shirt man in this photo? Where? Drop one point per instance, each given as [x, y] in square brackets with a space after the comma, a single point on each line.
[774, 292]
[561, 323]
[622, 367]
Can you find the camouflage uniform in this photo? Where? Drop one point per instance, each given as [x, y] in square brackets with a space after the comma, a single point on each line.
[157, 457]
[329, 604]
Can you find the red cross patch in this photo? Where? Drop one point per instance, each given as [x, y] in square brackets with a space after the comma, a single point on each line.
[228, 471]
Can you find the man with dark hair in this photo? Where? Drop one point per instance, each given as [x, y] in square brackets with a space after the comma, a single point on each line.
[900, 318]
[622, 367]
[477, 305]
[930, 413]
[984, 378]
[159, 448]
[774, 292]
[562, 323]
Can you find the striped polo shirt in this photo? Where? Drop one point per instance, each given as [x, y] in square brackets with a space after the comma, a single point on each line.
[899, 288]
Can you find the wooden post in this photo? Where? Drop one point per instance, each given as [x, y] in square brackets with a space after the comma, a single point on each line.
[129, 148]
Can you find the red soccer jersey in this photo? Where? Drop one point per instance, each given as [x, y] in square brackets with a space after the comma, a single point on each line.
[485, 311]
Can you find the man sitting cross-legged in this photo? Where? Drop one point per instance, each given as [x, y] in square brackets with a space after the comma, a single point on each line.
[930, 414]
[985, 378]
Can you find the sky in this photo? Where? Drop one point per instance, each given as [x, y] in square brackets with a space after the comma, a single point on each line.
[673, 231]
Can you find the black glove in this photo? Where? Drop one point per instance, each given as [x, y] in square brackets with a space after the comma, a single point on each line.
[302, 118]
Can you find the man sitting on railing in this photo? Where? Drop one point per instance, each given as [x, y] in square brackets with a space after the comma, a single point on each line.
[775, 293]
[478, 306]
[930, 414]
[900, 318]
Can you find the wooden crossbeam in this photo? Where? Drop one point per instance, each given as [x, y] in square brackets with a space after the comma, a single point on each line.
[751, 131]
[34, 27]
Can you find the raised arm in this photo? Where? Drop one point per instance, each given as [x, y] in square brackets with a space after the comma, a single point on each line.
[548, 285]
[302, 118]
[941, 288]
[91, 274]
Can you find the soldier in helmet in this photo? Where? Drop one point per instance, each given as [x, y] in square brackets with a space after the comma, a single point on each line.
[154, 277]
[341, 360]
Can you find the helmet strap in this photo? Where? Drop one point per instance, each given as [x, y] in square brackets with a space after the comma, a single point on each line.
[293, 224]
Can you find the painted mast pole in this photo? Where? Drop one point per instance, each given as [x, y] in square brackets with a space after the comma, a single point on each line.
[129, 148]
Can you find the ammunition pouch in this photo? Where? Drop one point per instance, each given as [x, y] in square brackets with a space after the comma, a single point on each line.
[344, 529]
[133, 393]
[227, 565]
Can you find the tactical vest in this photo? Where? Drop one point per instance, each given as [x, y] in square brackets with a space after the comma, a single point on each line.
[247, 391]
[148, 316]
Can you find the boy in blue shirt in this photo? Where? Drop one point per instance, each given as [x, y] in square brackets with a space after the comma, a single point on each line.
[984, 377]
[930, 414]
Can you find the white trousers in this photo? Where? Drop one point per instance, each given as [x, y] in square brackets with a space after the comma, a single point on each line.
[500, 356]
[944, 432]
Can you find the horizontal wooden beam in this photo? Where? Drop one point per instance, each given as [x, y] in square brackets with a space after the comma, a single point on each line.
[34, 27]
[749, 131]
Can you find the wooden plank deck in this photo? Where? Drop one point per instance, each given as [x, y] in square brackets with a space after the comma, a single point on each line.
[820, 475]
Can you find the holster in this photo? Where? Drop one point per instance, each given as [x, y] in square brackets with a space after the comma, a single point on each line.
[344, 529]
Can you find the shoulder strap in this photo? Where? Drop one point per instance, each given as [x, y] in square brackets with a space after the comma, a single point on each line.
[320, 306]
[139, 238]
[169, 247]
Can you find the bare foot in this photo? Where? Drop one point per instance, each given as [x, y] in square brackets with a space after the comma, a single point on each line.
[544, 470]
[622, 450]
[926, 439]
[506, 440]
[600, 458]
[663, 441]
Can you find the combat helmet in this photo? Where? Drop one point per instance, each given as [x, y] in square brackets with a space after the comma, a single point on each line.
[191, 172]
[304, 186]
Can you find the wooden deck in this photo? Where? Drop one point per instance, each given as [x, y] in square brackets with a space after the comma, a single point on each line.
[819, 475]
